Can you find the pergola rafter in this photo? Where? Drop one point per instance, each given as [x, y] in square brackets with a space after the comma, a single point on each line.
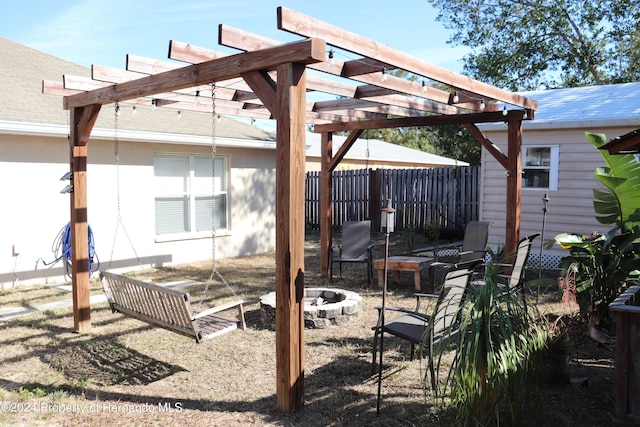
[269, 79]
[307, 26]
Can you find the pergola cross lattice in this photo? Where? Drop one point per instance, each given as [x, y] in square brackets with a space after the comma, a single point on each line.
[269, 79]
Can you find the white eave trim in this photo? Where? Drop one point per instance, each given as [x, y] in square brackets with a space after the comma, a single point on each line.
[43, 129]
[574, 124]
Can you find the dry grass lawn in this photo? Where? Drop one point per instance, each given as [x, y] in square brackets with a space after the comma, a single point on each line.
[126, 373]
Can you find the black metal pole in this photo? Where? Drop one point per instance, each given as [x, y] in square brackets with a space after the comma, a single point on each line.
[384, 306]
[545, 209]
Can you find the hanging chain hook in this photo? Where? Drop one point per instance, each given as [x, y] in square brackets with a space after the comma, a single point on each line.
[214, 120]
[119, 223]
[214, 268]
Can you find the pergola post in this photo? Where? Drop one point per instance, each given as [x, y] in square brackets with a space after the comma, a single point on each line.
[326, 207]
[82, 121]
[290, 180]
[328, 163]
[514, 185]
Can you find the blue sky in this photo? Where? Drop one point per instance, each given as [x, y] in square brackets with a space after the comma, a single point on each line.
[102, 32]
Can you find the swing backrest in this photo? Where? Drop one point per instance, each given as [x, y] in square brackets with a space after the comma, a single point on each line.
[157, 305]
[168, 308]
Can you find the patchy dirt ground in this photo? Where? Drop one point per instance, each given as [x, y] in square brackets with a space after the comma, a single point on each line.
[125, 373]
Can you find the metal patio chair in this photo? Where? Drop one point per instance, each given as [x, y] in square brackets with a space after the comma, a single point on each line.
[420, 327]
[355, 247]
[473, 247]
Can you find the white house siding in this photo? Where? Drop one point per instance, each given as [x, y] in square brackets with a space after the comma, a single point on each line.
[34, 211]
[570, 206]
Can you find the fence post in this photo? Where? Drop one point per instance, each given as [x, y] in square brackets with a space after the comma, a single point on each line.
[374, 198]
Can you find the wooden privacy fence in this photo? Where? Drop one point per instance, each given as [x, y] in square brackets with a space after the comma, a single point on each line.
[420, 196]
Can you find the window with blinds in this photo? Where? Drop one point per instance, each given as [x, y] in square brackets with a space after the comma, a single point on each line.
[190, 193]
[540, 167]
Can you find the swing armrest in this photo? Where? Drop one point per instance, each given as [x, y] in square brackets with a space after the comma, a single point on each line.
[217, 308]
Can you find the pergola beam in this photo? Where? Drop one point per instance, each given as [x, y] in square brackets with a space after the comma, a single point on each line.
[492, 148]
[302, 52]
[457, 119]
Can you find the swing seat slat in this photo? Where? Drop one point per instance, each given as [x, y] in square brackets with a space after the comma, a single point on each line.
[168, 308]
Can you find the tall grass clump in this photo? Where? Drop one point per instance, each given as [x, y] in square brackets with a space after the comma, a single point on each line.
[491, 365]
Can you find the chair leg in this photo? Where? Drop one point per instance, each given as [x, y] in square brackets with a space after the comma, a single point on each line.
[432, 373]
[374, 351]
[431, 367]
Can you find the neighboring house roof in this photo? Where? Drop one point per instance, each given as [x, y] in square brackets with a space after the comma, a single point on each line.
[380, 151]
[25, 109]
[582, 107]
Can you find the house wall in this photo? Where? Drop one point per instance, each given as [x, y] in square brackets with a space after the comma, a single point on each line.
[34, 211]
[570, 206]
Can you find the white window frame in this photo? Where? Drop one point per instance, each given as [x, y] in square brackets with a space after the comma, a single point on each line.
[190, 192]
[554, 161]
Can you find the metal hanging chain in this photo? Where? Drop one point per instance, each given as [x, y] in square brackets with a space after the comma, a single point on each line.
[214, 268]
[119, 223]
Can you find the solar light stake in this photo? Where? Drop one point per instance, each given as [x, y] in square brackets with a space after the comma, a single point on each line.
[387, 223]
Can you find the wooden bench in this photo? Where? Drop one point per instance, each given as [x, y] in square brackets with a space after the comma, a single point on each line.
[168, 308]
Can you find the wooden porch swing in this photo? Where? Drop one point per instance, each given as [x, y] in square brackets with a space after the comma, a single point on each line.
[168, 308]
[161, 306]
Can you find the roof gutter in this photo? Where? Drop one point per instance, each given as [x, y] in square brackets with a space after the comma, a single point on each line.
[574, 124]
[44, 129]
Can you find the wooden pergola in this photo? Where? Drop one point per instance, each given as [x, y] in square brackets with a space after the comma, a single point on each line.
[269, 79]
[629, 143]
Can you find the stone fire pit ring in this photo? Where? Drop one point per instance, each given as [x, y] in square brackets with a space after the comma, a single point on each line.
[322, 307]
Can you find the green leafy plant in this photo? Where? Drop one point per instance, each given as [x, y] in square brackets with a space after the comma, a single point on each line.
[411, 238]
[492, 357]
[27, 393]
[432, 230]
[604, 264]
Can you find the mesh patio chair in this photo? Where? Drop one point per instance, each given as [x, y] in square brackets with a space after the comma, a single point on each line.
[423, 328]
[472, 248]
[512, 274]
[355, 246]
